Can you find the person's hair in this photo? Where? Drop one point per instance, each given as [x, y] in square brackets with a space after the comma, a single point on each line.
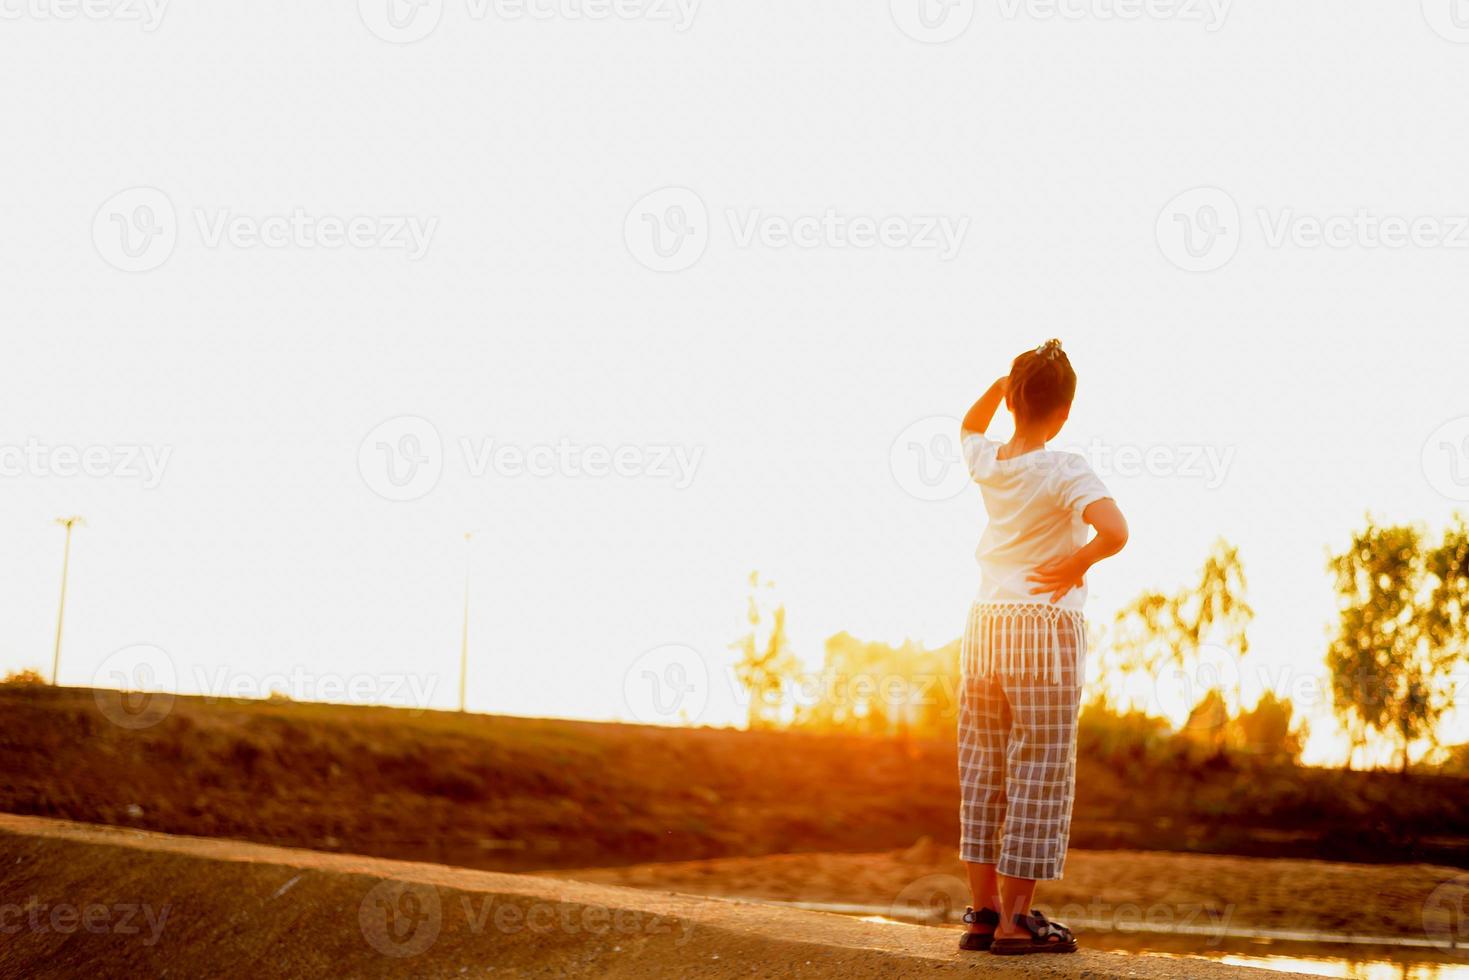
[1041, 381]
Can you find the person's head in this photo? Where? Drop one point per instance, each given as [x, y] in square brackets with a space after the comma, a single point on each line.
[1042, 385]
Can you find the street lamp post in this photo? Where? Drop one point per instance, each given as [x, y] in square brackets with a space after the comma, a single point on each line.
[464, 642]
[68, 523]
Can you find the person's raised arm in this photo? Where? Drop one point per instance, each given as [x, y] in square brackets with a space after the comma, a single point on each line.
[1060, 575]
[983, 411]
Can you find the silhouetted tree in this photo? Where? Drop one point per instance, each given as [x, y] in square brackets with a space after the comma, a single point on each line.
[879, 689]
[1267, 729]
[1402, 629]
[765, 663]
[1159, 630]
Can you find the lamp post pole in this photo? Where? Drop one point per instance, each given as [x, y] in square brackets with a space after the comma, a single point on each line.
[464, 641]
[68, 523]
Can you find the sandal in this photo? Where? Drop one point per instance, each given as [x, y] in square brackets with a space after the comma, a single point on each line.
[1045, 937]
[979, 942]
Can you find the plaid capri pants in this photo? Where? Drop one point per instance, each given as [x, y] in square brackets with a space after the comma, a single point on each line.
[1022, 668]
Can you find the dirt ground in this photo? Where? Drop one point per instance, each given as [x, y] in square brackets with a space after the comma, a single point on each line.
[1121, 887]
[102, 902]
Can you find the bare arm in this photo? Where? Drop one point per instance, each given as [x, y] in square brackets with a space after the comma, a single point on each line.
[982, 413]
[1059, 576]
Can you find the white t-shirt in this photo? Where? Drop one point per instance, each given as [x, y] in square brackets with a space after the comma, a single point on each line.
[1035, 502]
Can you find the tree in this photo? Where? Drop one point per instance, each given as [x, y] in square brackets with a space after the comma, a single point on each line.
[1157, 631]
[1402, 629]
[23, 678]
[878, 689]
[765, 664]
[1267, 730]
[1456, 760]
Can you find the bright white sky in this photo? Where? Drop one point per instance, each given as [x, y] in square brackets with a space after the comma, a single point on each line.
[1319, 371]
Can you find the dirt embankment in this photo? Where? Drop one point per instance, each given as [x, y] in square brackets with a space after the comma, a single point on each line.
[519, 794]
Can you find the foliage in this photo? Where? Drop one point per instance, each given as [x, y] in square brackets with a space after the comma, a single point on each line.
[1402, 629]
[1103, 732]
[765, 664]
[1159, 631]
[878, 689]
[1456, 760]
[1267, 729]
[23, 678]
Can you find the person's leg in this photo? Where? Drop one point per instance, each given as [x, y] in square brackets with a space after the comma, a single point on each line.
[1040, 782]
[984, 725]
[984, 887]
[1017, 895]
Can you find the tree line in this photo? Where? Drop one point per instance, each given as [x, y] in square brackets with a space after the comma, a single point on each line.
[1397, 657]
